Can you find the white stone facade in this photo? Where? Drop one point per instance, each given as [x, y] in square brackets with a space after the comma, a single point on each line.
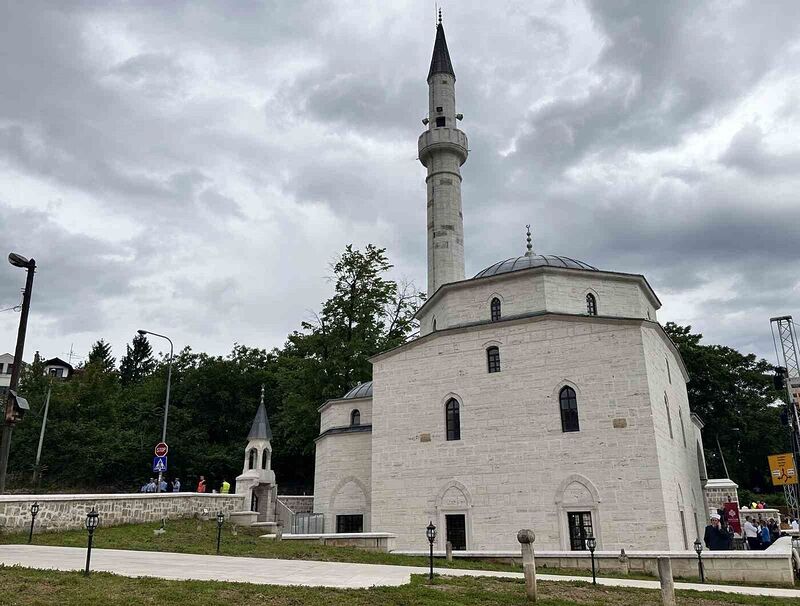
[632, 467]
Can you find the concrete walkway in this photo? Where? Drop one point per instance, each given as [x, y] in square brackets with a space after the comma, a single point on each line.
[182, 566]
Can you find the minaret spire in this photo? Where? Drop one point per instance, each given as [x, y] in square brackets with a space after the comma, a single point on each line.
[442, 150]
[529, 252]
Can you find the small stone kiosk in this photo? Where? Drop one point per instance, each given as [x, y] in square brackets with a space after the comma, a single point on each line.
[256, 484]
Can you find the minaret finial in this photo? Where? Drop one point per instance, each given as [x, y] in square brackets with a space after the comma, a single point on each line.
[262, 394]
[530, 244]
[440, 16]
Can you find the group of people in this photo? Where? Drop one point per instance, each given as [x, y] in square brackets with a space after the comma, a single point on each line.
[759, 533]
[175, 486]
[165, 486]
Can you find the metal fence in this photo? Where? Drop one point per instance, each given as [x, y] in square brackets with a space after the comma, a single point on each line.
[308, 523]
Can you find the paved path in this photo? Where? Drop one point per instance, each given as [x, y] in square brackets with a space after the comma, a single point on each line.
[182, 566]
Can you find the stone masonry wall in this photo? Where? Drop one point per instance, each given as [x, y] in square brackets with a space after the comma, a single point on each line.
[64, 512]
[513, 466]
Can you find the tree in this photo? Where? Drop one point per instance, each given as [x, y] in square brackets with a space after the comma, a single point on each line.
[100, 356]
[137, 362]
[734, 395]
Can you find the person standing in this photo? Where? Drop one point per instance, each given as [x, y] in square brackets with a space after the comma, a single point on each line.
[176, 485]
[764, 532]
[751, 534]
[795, 525]
[201, 485]
[226, 487]
[716, 538]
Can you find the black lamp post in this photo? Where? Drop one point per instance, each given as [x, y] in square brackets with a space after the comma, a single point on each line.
[430, 532]
[92, 520]
[34, 511]
[698, 547]
[591, 543]
[220, 522]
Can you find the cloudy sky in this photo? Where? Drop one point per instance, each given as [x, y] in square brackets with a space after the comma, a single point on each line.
[193, 167]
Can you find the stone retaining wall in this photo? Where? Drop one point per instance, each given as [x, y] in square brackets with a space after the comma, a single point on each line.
[64, 512]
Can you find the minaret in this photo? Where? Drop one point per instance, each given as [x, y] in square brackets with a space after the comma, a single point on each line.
[257, 481]
[442, 150]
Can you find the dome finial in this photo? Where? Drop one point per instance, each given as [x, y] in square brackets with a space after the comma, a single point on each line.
[529, 252]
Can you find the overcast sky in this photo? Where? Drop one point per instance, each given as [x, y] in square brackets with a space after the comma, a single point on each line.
[192, 168]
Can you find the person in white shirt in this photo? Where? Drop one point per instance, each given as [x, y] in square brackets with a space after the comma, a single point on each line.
[795, 525]
[751, 534]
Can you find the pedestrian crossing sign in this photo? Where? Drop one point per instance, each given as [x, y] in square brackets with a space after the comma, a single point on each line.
[160, 464]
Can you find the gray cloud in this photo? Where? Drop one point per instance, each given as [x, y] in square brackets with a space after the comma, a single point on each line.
[194, 166]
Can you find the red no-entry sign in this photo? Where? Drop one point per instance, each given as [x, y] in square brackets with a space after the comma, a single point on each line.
[161, 449]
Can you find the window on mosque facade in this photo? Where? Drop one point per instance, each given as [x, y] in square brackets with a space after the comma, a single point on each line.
[493, 359]
[495, 309]
[669, 416]
[669, 374]
[683, 429]
[580, 529]
[453, 420]
[265, 459]
[568, 402]
[251, 459]
[591, 305]
[350, 523]
[355, 417]
[440, 122]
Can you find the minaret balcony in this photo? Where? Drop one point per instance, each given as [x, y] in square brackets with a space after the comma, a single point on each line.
[443, 138]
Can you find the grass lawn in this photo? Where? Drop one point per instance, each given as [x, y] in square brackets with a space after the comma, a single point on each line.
[23, 587]
[193, 536]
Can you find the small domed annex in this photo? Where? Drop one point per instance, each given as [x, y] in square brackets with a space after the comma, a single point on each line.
[528, 261]
[362, 390]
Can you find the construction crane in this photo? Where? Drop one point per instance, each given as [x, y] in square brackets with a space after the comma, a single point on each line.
[785, 340]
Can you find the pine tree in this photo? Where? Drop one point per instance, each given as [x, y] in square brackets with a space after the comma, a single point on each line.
[100, 356]
[137, 362]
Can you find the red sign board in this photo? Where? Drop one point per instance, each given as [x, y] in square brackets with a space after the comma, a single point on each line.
[161, 449]
[732, 516]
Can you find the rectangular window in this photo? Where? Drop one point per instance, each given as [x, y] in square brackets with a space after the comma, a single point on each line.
[493, 359]
[350, 523]
[453, 420]
[440, 121]
[9, 369]
[580, 529]
[456, 531]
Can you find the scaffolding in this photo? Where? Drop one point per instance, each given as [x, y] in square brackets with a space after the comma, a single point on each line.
[785, 340]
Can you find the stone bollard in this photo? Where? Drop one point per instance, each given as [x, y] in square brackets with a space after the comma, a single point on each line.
[526, 539]
[449, 551]
[667, 584]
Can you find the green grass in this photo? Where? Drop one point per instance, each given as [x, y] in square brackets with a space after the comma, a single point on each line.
[23, 587]
[193, 536]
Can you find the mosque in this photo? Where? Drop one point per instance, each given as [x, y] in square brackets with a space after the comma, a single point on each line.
[541, 393]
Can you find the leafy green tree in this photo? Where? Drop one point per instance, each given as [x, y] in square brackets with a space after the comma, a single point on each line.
[137, 362]
[733, 394]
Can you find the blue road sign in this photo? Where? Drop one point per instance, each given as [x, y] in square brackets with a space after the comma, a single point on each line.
[160, 464]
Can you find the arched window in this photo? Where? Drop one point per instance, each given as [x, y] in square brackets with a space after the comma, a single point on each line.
[453, 419]
[355, 417]
[568, 402]
[433, 325]
[265, 459]
[669, 416]
[591, 305]
[683, 429]
[493, 358]
[251, 459]
[669, 373]
[495, 309]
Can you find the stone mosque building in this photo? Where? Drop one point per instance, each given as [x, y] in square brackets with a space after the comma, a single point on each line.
[541, 393]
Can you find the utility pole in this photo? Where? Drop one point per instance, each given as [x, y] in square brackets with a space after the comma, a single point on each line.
[9, 419]
[41, 433]
[785, 341]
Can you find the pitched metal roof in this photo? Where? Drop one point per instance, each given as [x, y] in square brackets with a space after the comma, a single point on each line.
[528, 261]
[362, 390]
[440, 62]
[260, 429]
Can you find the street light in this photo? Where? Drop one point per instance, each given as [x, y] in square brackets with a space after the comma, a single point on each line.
[430, 532]
[220, 522]
[92, 520]
[698, 547]
[14, 406]
[166, 404]
[34, 511]
[591, 543]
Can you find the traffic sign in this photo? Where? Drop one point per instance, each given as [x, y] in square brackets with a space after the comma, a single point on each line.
[160, 464]
[782, 469]
[161, 449]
